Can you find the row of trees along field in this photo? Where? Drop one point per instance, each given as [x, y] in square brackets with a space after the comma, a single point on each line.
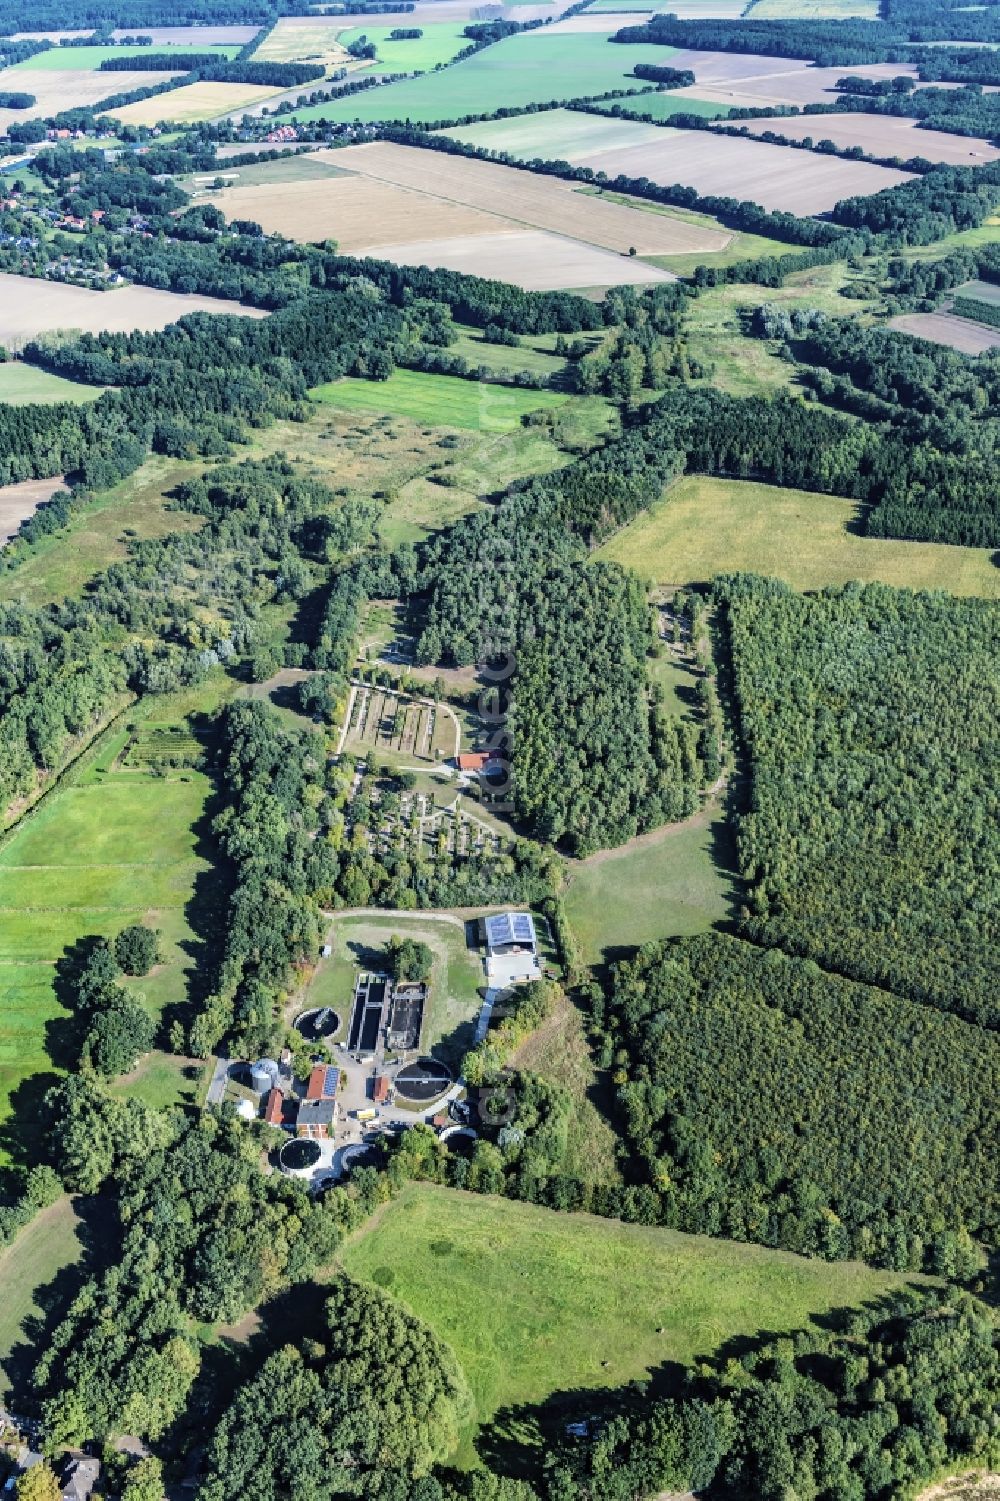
[871, 844]
[775, 1102]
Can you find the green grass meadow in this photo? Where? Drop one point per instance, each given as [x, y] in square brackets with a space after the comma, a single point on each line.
[54, 59]
[439, 400]
[669, 884]
[707, 526]
[532, 68]
[662, 106]
[22, 384]
[438, 44]
[108, 848]
[44, 1249]
[535, 1303]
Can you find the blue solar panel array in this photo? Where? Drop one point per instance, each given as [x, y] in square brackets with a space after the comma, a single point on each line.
[510, 927]
[330, 1081]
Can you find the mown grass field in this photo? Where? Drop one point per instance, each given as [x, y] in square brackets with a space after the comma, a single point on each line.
[668, 884]
[108, 848]
[21, 384]
[707, 526]
[438, 44]
[661, 106]
[54, 59]
[43, 1249]
[439, 400]
[532, 68]
[534, 1302]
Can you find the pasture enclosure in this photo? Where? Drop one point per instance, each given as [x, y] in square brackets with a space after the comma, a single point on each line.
[521, 198]
[29, 307]
[947, 328]
[193, 102]
[882, 135]
[704, 526]
[776, 177]
[532, 68]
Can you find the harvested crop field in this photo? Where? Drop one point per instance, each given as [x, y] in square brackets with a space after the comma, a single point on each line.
[776, 177]
[945, 328]
[527, 258]
[305, 38]
[354, 210]
[192, 102]
[882, 135]
[982, 291]
[20, 501]
[29, 307]
[195, 36]
[795, 83]
[522, 199]
[68, 88]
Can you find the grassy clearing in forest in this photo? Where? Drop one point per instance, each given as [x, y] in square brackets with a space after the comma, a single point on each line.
[707, 526]
[441, 400]
[534, 1302]
[22, 384]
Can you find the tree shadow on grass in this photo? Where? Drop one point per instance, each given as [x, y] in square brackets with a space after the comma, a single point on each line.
[205, 913]
[97, 1232]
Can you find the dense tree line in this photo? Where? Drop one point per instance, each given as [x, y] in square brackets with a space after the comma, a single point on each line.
[874, 854]
[15, 99]
[206, 1236]
[771, 1101]
[373, 1402]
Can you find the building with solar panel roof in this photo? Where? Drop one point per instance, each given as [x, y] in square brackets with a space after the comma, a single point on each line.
[511, 949]
[317, 1113]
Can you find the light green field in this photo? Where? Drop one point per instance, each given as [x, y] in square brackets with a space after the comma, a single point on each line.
[456, 979]
[439, 43]
[108, 848]
[531, 68]
[87, 58]
[534, 1302]
[44, 1248]
[161, 1081]
[668, 884]
[471, 345]
[22, 384]
[662, 105]
[813, 10]
[440, 400]
[558, 134]
[302, 168]
[707, 526]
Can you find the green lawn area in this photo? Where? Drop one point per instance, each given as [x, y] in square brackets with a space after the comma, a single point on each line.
[667, 884]
[662, 105]
[56, 58]
[531, 68]
[302, 168]
[44, 1248]
[161, 1081]
[456, 979]
[21, 384]
[707, 526]
[106, 848]
[526, 355]
[440, 400]
[535, 1302]
[560, 133]
[439, 43]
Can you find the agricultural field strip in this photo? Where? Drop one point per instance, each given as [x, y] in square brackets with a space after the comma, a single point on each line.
[519, 197]
[881, 135]
[29, 306]
[194, 102]
[803, 85]
[58, 91]
[947, 328]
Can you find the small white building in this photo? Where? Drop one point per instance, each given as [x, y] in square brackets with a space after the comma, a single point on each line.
[511, 949]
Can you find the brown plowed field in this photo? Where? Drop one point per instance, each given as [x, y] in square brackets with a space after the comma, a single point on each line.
[523, 199]
[725, 78]
[29, 307]
[882, 135]
[21, 500]
[527, 258]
